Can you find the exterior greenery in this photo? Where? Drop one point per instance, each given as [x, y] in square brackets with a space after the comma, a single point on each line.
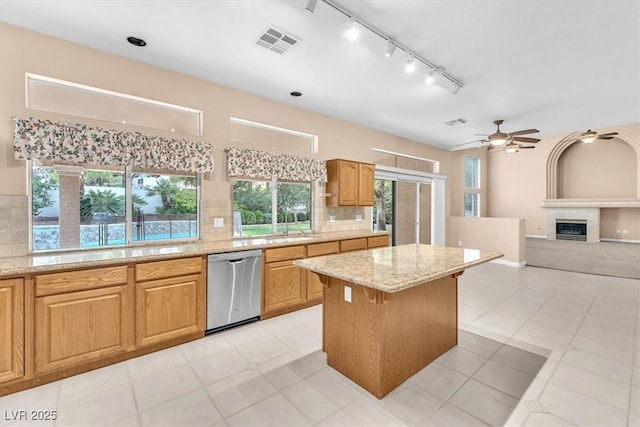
[43, 181]
[253, 200]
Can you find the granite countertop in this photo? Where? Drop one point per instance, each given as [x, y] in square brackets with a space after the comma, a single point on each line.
[396, 268]
[52, 261]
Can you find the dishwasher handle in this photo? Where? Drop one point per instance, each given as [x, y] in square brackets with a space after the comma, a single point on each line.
[234, 256]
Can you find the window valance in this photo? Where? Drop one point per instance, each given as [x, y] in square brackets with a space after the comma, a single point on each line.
[260, 164]
[72, 142]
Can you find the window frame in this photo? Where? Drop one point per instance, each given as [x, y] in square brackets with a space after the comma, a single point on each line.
[127, 172]
[472, 191]
[274, 206]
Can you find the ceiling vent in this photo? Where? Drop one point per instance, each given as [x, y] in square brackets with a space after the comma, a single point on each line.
[457, 122]
[277, 41]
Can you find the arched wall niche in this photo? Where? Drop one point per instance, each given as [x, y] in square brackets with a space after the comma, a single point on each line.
[552, 161]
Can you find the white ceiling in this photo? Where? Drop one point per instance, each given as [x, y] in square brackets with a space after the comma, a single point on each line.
[558, 66]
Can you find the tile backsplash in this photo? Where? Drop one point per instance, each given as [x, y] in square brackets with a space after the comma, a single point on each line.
[14, 225]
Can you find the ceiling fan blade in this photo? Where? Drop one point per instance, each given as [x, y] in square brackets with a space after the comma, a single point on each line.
[525, 139]
[526, 146]
[604, 137]
[470, 142]
[608, 134]
[491, 147]
[524, 132]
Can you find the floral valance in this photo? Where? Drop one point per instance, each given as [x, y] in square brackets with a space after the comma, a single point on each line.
[78, 143]
[259, 164]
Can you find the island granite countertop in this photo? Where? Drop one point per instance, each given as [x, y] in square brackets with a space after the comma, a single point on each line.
[51, 261]
[394, 269]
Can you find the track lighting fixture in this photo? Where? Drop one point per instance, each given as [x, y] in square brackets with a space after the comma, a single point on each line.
[352, 32]
[410, 66]
[311, 5]
[431, 76]
[390, 49]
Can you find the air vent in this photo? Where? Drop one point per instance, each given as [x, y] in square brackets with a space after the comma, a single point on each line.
[277, 41]
[457, 122]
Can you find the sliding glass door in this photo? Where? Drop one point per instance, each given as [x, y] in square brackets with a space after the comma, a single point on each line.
[404, 206]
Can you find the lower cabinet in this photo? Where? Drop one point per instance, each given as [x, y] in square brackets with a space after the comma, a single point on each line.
[314, 285]
[11, 329]
[284, 287]
[81, 326]
[170, 299]
[166, 309]
[88, 315]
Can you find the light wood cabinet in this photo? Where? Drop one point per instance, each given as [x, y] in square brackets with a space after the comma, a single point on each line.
[353, 245]
[11, 329]
[283, 284]
[349, 183]
[366, 175]
[314, 283]
[79, 327]
[377, 242]
[284, 287]
[173, 303]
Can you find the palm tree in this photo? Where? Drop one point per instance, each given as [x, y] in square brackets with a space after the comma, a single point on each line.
[166, 190]
[101, 202]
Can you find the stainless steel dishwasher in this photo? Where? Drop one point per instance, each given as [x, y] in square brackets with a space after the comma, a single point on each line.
[233, 289]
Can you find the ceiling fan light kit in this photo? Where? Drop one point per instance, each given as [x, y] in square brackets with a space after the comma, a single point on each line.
[588, 137]
[511, 148]
[499, 138]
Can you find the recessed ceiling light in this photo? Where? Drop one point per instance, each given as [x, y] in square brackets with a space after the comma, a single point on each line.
[136, 41]
[296, 93]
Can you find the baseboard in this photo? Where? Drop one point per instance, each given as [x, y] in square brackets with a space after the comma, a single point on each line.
[515, 264]
[620, 240]
[535, 236]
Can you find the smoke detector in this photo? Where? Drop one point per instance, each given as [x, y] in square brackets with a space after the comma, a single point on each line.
[277, 41]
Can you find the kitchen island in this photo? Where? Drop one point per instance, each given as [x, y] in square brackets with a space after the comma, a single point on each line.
[389, 312]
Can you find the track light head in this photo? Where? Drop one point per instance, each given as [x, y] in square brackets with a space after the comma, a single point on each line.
[391, 48]
[352, 33]
[410, 66]
[311, 5]
[431, 76]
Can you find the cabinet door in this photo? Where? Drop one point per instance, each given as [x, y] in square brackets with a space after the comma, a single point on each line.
[283, 286]
[79, 327]
[166, 309]
[366, 174]
[377, 242]
[314, 287]
[348, 183]
[11, 329]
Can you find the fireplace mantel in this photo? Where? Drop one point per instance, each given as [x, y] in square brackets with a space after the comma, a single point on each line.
[590, 203]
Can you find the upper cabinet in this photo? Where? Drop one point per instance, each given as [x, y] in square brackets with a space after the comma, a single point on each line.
[349, 183]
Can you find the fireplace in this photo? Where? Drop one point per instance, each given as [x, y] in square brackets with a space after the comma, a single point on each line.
[571, 229]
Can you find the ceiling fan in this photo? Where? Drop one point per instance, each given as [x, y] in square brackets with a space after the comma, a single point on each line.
[589, 136]
[499, 138]
[513, 147]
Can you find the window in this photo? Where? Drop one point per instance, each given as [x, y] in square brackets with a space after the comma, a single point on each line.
[76, 207]
[60, 96]
[471, 186]
[269, 207]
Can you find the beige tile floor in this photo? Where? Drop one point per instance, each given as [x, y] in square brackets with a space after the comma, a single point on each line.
[537, 347]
